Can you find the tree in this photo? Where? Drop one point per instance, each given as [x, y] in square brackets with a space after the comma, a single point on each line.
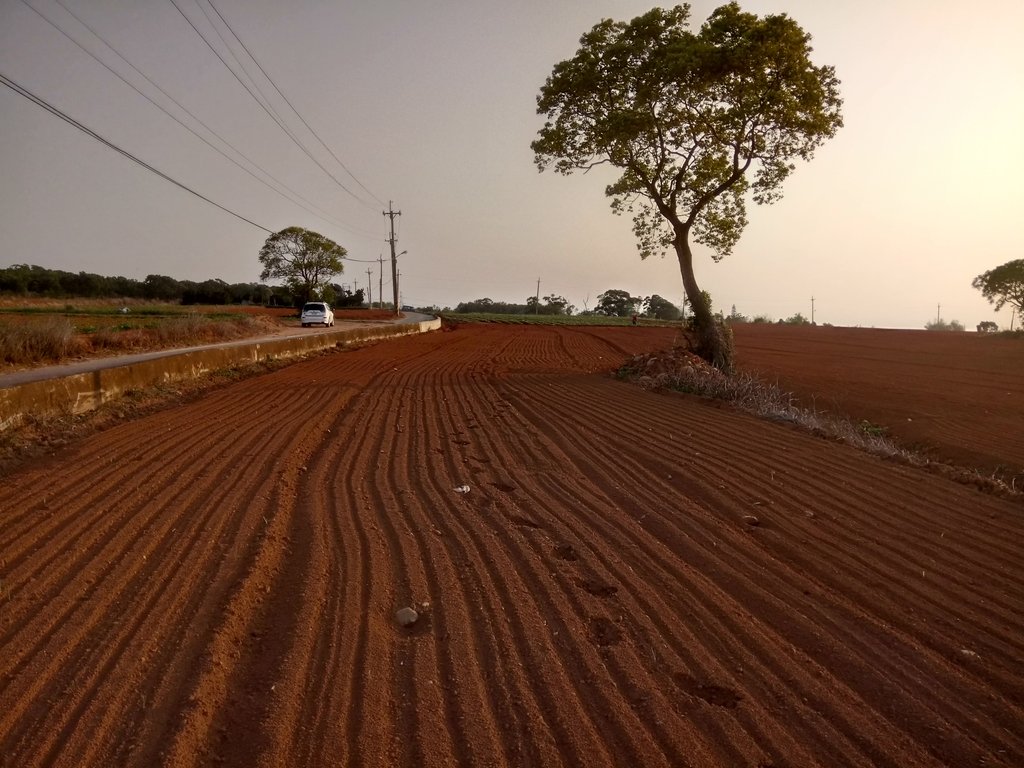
[941, 325]
[662, 309]
[305, 260]
[735, 316]
[161, 287]
[554, 305]
[1003, 285]
[616, 303]
[987, 326]
[694, 121]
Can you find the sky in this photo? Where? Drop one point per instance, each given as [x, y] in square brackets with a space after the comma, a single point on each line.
[432, 106]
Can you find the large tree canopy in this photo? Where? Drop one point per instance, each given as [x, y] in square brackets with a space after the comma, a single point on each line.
[305, 260]
[617, 303]
[694, 121]
[660, 308]
[1003, 285]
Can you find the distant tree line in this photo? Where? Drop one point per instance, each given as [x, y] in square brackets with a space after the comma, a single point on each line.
[32, 280]
[549, 305]
[612, 303]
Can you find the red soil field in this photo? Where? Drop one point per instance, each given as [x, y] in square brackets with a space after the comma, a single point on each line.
[957, 397]
[633, 579]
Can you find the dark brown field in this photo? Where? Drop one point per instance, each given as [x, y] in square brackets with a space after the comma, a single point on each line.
[633, 579]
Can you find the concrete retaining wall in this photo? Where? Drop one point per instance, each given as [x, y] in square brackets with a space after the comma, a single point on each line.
[80, 392]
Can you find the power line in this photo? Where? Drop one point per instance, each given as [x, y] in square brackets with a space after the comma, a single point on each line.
[188, 112]
[264, 101]
[288, 102]
[265, 108]
[71, 121]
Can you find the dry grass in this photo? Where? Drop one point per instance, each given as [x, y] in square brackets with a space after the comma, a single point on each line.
[28, 341]
[33, 340]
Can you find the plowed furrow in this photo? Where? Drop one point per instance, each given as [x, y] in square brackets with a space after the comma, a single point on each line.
[572, 595]
[500, 569]
[708, 611]
[578, 610]
[133, 585]
[96, 532]
[256, 617]
[611, 470]
[870, 528]
[632, 579]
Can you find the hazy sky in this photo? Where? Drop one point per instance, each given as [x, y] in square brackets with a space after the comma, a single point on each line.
[432, 105]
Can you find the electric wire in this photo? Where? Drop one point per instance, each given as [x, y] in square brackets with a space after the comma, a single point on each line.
[325, 217]
[279, 122]
[289, 103]
[263, 100]
[367, 261]
[71, 121]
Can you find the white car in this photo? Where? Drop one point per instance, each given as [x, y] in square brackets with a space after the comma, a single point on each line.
[317, 312]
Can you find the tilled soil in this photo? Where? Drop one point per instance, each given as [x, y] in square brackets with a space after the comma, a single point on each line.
[951, 396]
[632, 578]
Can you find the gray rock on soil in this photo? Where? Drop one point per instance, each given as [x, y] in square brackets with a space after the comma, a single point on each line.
[406, 617]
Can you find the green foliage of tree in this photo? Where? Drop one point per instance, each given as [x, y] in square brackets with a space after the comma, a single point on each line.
[941, 325]
[161, 288]
[617, 303]
[344, 298]
[695, 122]
[797, 319]
[33, 280]
[556, 305]
[987, 326]
[1003, 285]
[207, 292]
[26, 280]
[305, 260]
[736, 316]
[705, 297]
[662, 309]
[487, 306]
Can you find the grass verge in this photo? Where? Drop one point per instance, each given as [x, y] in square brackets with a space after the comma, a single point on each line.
[28, 341]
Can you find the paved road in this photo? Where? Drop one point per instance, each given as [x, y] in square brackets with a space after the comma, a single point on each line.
[101, 363]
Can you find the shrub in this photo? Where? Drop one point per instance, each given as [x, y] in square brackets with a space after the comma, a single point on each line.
[35, 339]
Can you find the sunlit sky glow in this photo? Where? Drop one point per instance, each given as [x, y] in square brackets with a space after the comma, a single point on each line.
[432, 105]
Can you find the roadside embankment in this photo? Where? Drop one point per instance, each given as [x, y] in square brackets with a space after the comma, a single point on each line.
[78, 391]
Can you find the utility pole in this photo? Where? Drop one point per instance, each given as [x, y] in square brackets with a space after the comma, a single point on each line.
[938, 314]
[380, 281]
[536, 307]
[812, 310]
[391, 213]
[369, 289]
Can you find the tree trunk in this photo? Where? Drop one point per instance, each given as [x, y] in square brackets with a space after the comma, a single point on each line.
[711, 341]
